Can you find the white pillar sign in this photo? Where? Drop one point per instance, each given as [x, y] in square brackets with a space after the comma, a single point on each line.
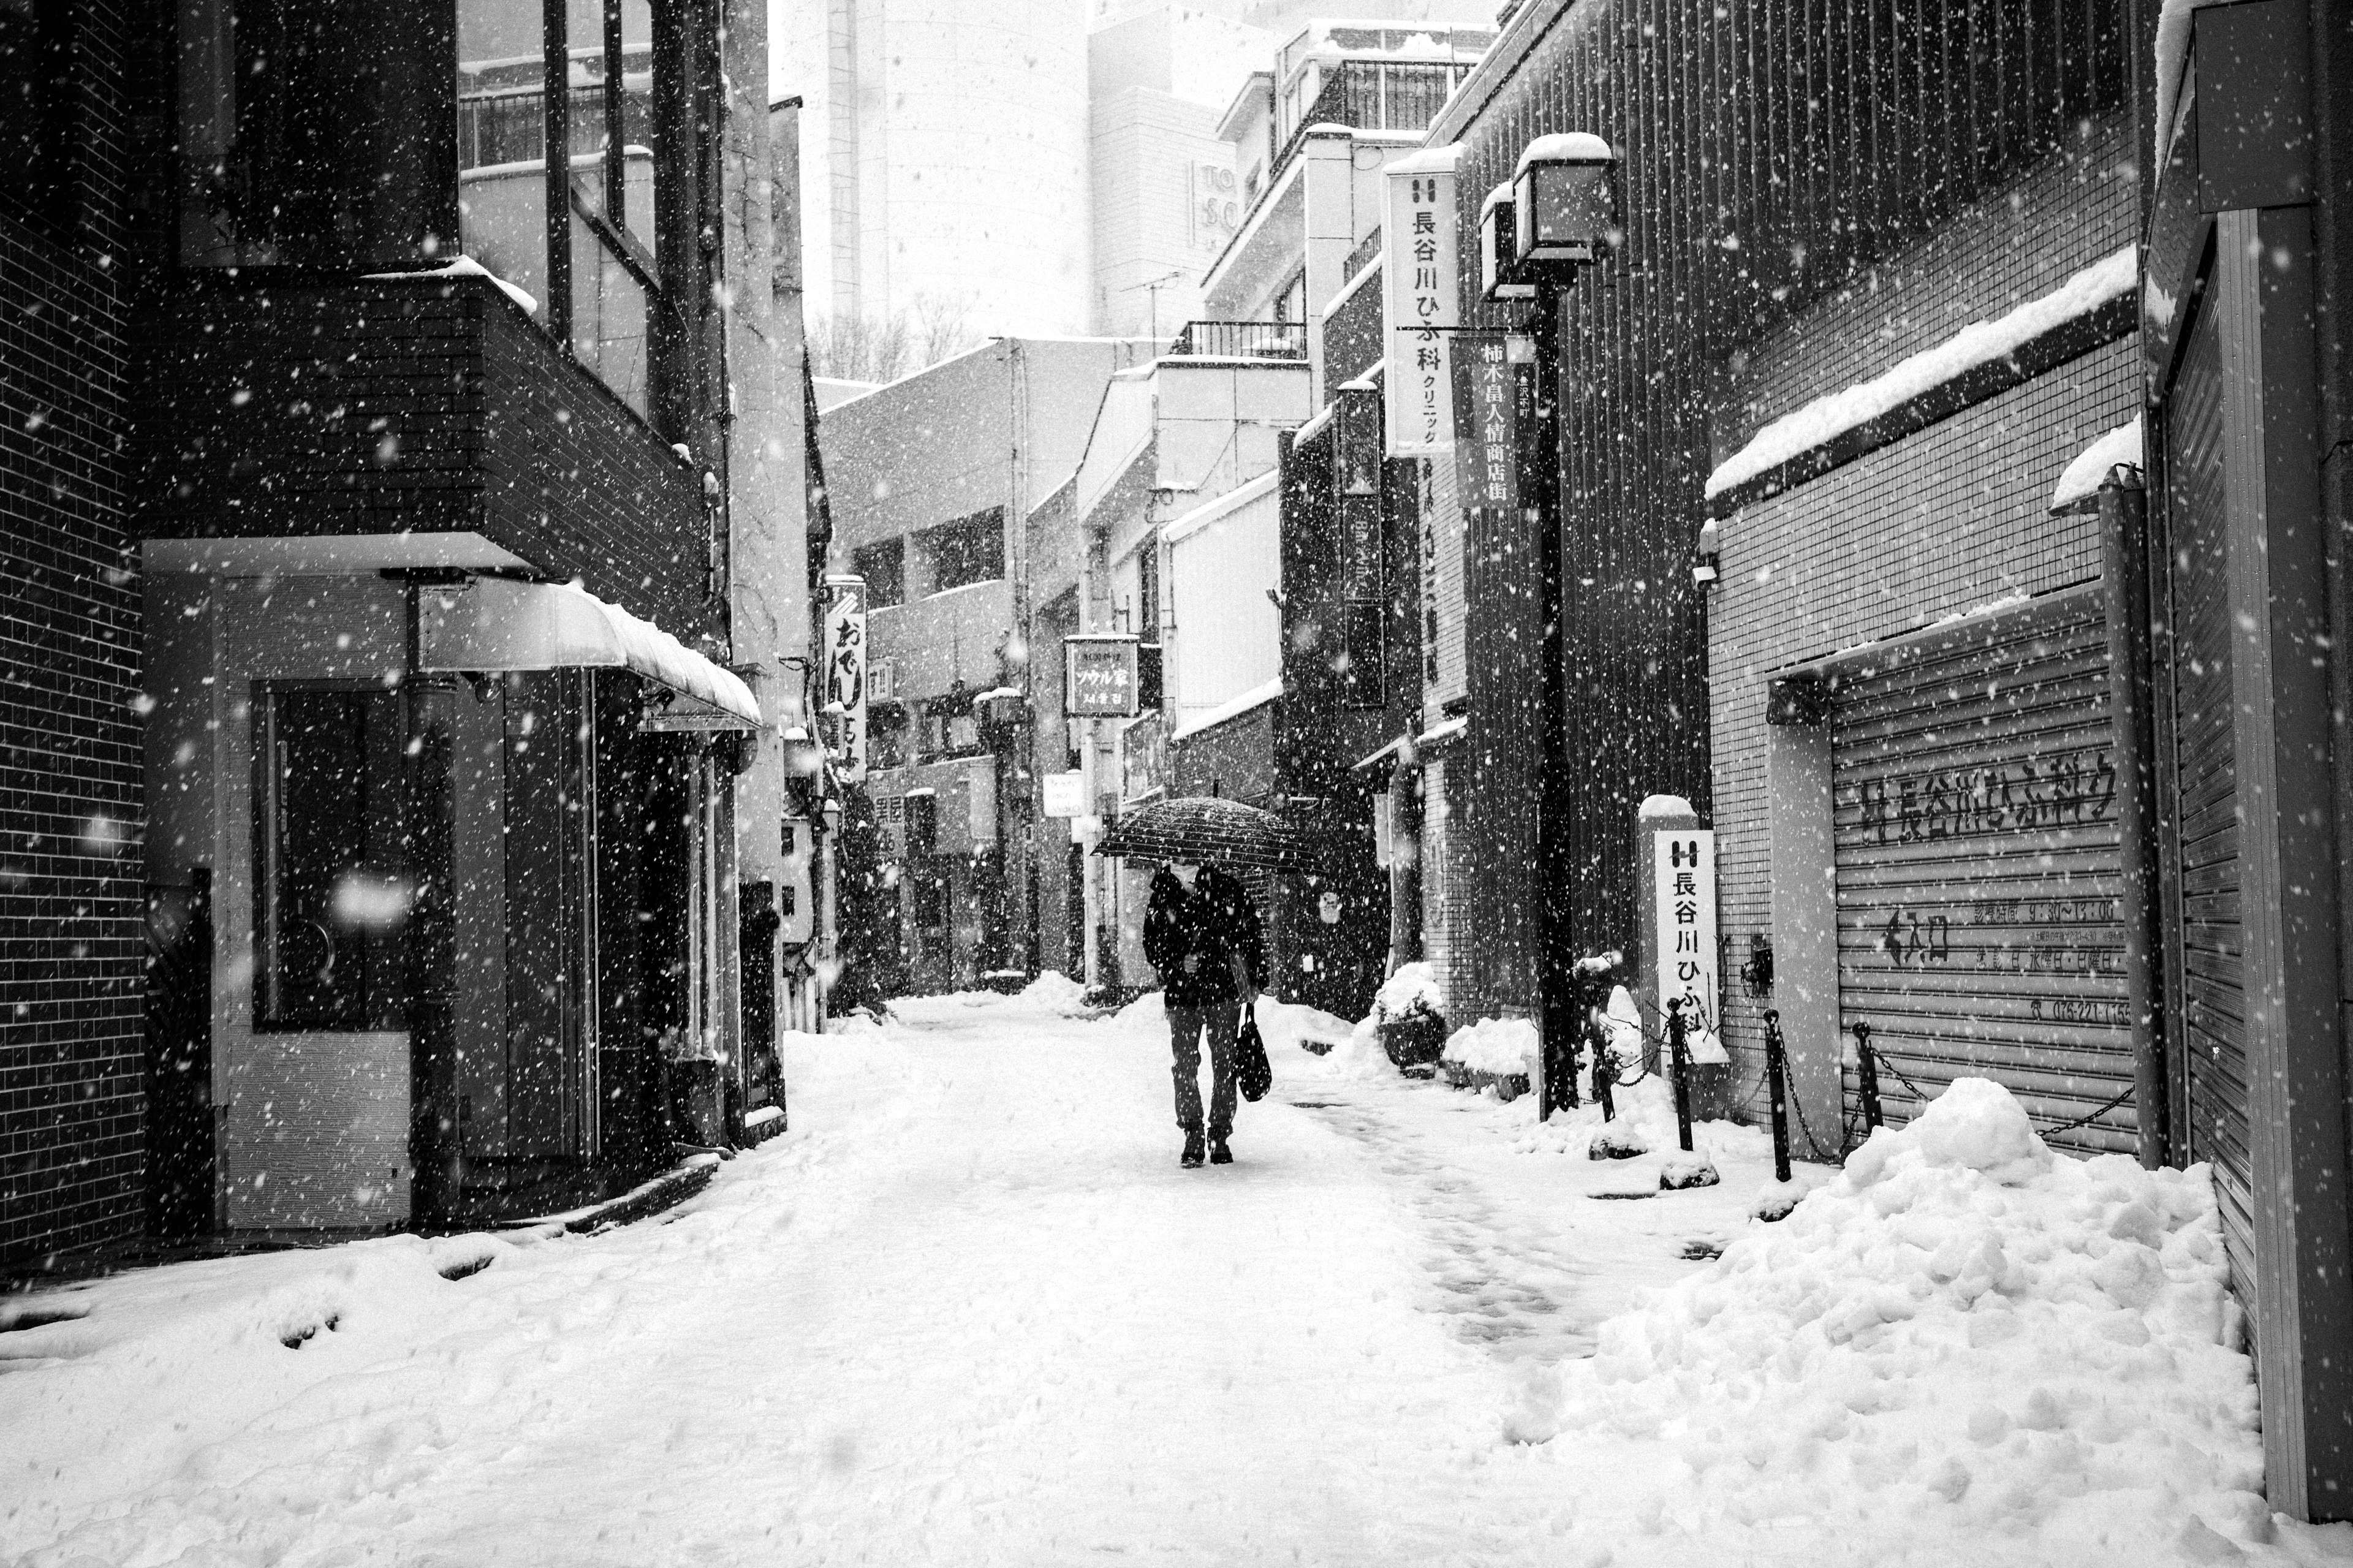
[843, 694]
[1420, 304]
[1686, 879]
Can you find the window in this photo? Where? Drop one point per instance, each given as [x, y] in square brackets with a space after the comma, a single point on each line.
[332, 881]
[922, 814]
[967, 551]
[1290, 305]
[1362, 650]
[886, 740]
[883, 564]
[36, 106]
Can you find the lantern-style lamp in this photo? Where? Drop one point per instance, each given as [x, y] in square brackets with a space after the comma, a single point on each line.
[1499, 250]
[1564, 200]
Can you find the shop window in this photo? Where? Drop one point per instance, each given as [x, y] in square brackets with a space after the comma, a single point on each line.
[883, 564]
[967, 551]
[37, 83]
[331, 876]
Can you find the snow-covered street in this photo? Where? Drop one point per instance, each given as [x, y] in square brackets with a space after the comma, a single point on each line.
[971, 1310]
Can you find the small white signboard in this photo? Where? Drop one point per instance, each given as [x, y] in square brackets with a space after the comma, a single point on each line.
[1065, 794]
[1420, 303]
[1686, 879]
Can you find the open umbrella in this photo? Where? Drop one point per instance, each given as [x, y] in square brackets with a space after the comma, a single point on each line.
[1204, 827]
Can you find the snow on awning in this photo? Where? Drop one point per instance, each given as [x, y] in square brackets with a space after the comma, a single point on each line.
[497, 623]
[2080, 482]
[1981, 343]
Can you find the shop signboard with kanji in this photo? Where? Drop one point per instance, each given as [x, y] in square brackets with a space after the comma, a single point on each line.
[1099, 677]
[1684, 877]
[1419, 304]
[842, 681]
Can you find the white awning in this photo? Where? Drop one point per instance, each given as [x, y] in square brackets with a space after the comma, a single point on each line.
[497, 623]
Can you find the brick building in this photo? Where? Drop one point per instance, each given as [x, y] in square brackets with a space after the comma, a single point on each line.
[374, 468]
[72, 929]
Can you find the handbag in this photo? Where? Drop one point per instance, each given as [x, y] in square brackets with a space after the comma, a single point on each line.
[1254, 1074]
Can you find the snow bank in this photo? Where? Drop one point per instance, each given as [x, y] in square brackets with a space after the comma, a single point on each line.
[1982, 1334]
[1981, 343]
[1494, 1044]
[1646, 1114]
[1413, 987]
[1058, 992]
[2081, 479]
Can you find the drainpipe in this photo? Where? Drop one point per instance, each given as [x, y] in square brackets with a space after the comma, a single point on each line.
[2124, 564]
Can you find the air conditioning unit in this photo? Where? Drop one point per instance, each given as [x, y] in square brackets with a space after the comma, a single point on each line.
[883, 680]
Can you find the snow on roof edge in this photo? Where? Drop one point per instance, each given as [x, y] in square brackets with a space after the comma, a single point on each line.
[1189, 524]
[1981, 343]
[1232, 708]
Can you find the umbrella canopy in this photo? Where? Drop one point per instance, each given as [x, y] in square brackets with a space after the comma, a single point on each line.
[1204, 827]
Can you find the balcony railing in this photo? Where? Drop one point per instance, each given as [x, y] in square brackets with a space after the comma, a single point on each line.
[1243, 340]
[1372, 95]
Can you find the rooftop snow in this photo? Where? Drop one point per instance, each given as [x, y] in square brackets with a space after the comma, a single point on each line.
[1232, 708]
[1981, 343]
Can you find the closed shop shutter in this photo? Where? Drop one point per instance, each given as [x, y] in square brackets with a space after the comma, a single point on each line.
[1979, 883]
[2208, 959]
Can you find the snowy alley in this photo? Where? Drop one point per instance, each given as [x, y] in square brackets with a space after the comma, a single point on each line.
[971, 1310]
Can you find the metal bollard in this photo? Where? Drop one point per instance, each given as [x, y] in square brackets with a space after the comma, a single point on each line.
[1777, 1069]
[1867, 1073]
[1682, 1059]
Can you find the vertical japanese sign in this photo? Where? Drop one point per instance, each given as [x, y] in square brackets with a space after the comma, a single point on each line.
[1486, 460]
[1420, 304]
[1683, 872]
[844, 676]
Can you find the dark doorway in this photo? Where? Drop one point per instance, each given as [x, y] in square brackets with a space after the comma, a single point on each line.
[180, 1057]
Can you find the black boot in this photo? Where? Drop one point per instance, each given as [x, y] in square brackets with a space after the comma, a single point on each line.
[1191, 1158]
[1218, 1153]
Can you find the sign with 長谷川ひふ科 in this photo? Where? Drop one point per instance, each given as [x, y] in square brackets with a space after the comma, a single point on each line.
[1684, 876]
[1420, 305]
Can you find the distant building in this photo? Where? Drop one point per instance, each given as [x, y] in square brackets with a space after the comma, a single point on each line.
[943, 491]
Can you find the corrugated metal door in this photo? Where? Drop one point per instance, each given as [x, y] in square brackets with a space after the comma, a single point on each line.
[1978, 882]
[2209, 956]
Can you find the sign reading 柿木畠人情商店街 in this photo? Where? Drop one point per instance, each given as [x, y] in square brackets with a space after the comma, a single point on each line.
[1684, 876]
[1419, 306]
[844, 676]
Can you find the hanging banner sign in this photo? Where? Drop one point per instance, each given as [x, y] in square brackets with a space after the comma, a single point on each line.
[1486, 458]
[1420, 304]
[1684, 876]
[1099, 677]
[843, 696]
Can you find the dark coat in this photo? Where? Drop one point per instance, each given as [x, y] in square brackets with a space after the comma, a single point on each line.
[1215, 920]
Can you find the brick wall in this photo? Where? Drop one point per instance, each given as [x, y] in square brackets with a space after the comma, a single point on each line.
[1949, 519]
[71, 928]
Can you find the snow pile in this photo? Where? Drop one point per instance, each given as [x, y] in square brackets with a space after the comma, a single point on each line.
[1057, 992]
[1980, 1334]
[1497, 1046]
[2081, 479]
[1413, 988]
[1981, 343]
[1645, 1112]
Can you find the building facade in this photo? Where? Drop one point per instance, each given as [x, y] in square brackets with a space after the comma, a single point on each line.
[468, 555]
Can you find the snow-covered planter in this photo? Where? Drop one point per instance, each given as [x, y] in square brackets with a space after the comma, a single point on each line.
[1410, 1017]
[1498, 1052]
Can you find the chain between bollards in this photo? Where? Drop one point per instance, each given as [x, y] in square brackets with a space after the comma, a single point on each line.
[1681, 1057]
[1777, 1068]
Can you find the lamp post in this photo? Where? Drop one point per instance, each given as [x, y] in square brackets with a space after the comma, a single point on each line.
[1561, 214]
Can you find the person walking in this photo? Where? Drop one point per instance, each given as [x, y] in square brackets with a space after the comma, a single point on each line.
[1201, 932]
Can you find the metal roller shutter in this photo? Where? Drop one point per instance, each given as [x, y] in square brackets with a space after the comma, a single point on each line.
[1979, 883]
[2208, 957]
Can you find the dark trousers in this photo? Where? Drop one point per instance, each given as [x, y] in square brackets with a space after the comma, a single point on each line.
[1222, 1020]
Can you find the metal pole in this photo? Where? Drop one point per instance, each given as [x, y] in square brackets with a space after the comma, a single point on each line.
[1556, 1010]
[1681, 1057]
[1777, 1068]
[2124, 537]
[1867, 1073]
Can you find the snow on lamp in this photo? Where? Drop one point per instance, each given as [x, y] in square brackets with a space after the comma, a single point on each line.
[1499, 250]
[1563, 201]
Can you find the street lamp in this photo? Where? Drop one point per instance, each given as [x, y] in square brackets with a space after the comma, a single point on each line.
[1499, 250]
[1564, 216]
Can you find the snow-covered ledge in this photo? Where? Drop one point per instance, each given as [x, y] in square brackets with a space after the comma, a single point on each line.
[2093, 307]
[2081, 483]
[1232, 708]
